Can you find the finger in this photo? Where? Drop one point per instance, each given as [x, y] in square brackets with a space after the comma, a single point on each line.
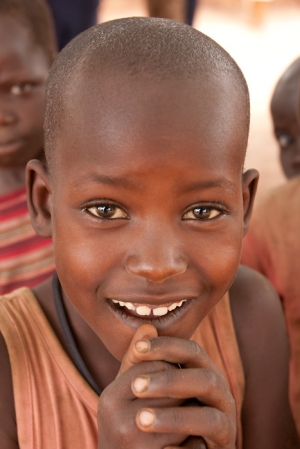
[173, 350]
[191, 443]
[203, 384]
[140, 340]
[215, 427]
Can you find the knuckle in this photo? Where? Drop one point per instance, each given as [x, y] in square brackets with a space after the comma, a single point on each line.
[212, 382]
[195, 349]
[176, 419]
[224, 430]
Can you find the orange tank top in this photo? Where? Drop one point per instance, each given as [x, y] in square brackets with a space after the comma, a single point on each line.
[55, 407]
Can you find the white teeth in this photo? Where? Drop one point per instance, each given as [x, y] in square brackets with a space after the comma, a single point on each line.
[128, 305]
[143, 310]
[160, 311]
[173, 306]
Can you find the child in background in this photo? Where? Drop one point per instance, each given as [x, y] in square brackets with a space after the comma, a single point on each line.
[284, 110]
[146, 200]
[272, 245]
[26, 53]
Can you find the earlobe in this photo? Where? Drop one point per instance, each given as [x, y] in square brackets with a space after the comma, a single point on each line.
[250, 182]
[39, 197]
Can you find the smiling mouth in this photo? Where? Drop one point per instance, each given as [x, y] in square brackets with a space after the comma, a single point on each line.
[147, 310]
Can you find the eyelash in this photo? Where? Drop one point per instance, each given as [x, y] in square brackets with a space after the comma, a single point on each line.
[216, 209]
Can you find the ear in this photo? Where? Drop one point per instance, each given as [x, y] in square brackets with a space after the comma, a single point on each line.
[250, 182]
[39, 197]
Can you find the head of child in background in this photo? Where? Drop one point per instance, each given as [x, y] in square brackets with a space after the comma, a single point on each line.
[27, 51]
[284, 110]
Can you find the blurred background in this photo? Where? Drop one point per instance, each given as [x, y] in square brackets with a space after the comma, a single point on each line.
[264, 38]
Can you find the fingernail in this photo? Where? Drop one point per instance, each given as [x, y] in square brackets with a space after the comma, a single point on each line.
[146, 418]
[142, 345]
[140, 384]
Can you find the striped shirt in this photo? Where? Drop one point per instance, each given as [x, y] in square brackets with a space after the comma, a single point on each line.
[25, 258]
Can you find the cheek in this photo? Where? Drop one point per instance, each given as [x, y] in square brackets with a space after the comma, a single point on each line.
[31, 115]
[217, 255]
[89, 255]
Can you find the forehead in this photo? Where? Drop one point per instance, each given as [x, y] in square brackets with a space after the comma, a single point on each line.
[285, 98]
[127, 120]
[18, 53]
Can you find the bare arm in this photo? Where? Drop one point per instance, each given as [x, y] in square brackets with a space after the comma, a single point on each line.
[261, 333]
[8, 428]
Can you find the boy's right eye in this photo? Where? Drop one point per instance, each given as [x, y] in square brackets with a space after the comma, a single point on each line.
[284, 140]
[107, 212]
[21, 88]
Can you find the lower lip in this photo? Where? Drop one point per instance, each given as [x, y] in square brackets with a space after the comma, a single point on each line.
[160, 322]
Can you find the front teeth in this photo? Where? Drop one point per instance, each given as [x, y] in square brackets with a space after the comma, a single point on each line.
[145, 310]
[142, 310]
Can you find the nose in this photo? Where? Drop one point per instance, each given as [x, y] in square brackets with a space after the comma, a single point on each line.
[156, 258]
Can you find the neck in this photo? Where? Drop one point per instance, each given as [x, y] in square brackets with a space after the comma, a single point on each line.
[11, 179]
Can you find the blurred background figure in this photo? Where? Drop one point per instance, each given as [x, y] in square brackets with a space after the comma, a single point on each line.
[71, 17]
[181, 10]
[284, 109]
[27, 51]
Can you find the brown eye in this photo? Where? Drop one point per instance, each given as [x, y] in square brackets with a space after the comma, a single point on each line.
[201, 213]
[21, 88]
[285, 140]
[107, 211]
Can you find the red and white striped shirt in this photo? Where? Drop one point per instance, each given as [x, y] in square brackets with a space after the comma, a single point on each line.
[25, 258]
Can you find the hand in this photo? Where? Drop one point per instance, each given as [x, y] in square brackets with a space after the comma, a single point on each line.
[118, 406]
[151, 366]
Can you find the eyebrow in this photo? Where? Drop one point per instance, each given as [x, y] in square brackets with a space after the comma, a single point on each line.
[210, 184]
[130, 185]
[108, 180]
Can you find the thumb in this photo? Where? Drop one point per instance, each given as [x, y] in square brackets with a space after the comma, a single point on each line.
[131, 356]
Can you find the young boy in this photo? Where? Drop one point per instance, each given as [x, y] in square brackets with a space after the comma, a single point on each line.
[26, 53]
[145, 198]
[272, 245]
[284, 110]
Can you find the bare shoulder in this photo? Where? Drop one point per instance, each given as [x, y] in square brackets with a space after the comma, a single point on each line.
[254, 301]
[8, 427]
[262, 339]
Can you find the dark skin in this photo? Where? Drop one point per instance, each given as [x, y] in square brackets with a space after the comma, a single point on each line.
[284, 110]
[24, 68]
[159, 190]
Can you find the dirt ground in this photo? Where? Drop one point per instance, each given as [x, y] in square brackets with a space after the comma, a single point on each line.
[262, 51]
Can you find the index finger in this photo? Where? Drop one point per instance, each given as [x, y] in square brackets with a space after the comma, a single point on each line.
[133, 356]
[178, 351]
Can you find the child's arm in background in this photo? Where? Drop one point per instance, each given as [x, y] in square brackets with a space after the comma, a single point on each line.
[8, 427]
[262, 338]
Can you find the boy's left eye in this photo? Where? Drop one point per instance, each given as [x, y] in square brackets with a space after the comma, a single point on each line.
[107, 211]
[21, 88]
[201, 213]
[285, 140]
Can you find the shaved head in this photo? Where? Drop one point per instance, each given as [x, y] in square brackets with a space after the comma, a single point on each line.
[157, 50]
[290, 76]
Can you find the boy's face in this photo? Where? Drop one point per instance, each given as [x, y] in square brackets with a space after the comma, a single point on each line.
[147, 204]
[284, 109]
[23, 72]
